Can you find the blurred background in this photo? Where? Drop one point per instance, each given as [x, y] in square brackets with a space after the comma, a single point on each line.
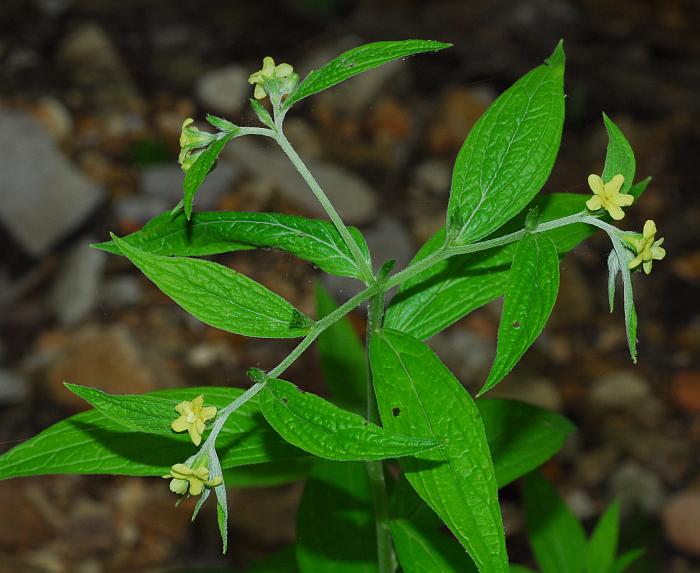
[92, 97]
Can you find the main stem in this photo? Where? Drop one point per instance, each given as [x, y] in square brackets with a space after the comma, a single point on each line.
[386, 560]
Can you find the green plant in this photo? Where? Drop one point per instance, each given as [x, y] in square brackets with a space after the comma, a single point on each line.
[397, 400]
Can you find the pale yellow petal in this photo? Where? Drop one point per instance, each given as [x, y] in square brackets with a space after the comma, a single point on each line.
[184, 408]
[180, 425]
[202, 473]
[615, 212]
[199, 426]
[207, 413]
[197, 404]
[594, 203]
[635, 262]
[178, 486]
[180, 470]
[268, 66]
[624, 200]
[195, 436]
[615, 184]
[259, 92]
[218, 480]
[284, 71]
[646, 265]
[596, 184]
[196, 486]
[649, 229]
[658, 253]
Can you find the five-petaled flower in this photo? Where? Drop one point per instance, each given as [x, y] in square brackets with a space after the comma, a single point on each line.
[647, 248]
[183, 477]
[268, 72]
[608, 196]
[192, 143]
[193, 416]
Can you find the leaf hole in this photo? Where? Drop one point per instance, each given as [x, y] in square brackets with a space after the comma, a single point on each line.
[285, 400]
[395, 411]
[516, 324]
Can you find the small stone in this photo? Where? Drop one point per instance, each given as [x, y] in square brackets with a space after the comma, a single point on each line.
[686, 391]
[14, 388]
[54, 116]
[458, 111]
[435, 176]
[681, 520]
[620, 390]
[540, 392]
[121, 292]
[75, 291]
[354, 199]
[637, 488]
[465, 353]
[44, 197]
[225, 89]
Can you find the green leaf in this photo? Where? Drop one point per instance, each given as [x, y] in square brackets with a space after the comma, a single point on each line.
[335, 523]
[509, 153]
[262, 114]
[521, 437]
[520, 569]
[281, 562]
[441, 295]
[356, 61]
[90, 443]
[533, 284]
[418, 395]
[219, 296]
[212, 233]
[619, 157]
[602, 546]
[199, 170]
[343, 360]
[221, 123]
[556, 537]
[613, 271]
[624, 562]
[324, 430]
[421, 550]
[269, 474]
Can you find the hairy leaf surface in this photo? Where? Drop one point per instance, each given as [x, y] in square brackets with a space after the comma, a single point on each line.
[508, 154]
[219, 296]
[356, 61]
[211, 233]
[324, 430]
[417, 394]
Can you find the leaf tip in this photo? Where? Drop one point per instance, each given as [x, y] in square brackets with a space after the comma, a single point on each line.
[558, 57]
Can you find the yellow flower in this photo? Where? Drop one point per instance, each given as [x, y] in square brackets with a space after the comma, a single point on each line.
[647, 248]
[193, 416]
[608, 196]
[192, 140]
[268, 72]
[183, 477]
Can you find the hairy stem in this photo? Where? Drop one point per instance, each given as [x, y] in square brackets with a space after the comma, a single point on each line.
[360, 260]
[386, 560]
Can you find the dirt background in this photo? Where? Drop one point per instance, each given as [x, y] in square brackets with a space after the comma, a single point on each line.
[92, 96]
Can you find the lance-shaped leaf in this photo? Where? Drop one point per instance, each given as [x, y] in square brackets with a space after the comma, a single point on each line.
[619, 157]
[91, 443]
[508, 154]
[602, 546]
[342, 356]
[420, 549]
[219, 296]
[521, 437]
[199, 170]
[212, 233]
[533, 283]
[418, 395]
[335, 523]
[269, 474]
[625, 561]
[556, 537]
[324, 430]
[356, 61]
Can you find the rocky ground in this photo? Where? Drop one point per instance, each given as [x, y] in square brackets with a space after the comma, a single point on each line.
[92, 98]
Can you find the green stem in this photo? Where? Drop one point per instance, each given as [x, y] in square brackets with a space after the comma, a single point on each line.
[360, 259]
[386, 560]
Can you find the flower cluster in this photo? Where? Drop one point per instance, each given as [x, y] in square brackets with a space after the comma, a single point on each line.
[183, 477]
[193, 418]
[608, 196]
[271, 74]
[192, 143]
[647, 247]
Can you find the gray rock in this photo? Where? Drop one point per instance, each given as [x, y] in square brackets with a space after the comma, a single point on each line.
[352, 197]
[681, 520]
[225, 89]
[623, 390]
[75, 291]
[44, 197]
[141, 208]
[120, 292]
[540, 392]
[465, 353]
[435, 176]
[14, 388]
[637, 488]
